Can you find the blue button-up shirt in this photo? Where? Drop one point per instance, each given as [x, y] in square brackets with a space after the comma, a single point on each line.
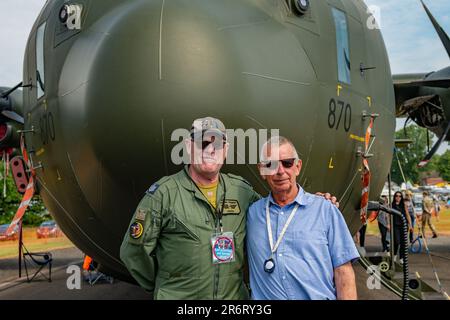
[316, 242]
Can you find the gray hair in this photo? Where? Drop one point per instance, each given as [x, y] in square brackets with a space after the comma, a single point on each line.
[278, 141]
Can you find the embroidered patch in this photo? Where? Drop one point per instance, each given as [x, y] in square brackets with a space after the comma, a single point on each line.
[153, 188]
[140, 215]
[136, 230]
[231, 207]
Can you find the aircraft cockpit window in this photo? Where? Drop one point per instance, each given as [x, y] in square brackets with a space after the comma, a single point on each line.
[342, 45]
[40, 75]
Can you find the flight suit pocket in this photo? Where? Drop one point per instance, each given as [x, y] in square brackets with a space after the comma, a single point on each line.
[153, 227]
[176, 226]
[179, 246]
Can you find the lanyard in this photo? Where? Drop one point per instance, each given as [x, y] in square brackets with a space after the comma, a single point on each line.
[269, 227]
[219, 210]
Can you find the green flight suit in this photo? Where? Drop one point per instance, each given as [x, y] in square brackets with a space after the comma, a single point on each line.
[167, 248]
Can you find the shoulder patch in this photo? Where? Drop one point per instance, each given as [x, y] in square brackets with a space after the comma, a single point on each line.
[141, 213]
[153, 188]
[157, 184]
[136, 230]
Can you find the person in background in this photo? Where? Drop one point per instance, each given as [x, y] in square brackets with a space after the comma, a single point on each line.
[398, 203]
[361, 235]
[437, 207]
[409, 202]
[384, 225]
[427, 208]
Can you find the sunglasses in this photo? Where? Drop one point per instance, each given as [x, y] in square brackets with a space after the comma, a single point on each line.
[398, 195]
[205, 144]
[286, 163]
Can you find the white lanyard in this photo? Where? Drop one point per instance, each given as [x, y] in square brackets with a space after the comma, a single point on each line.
[269, 227]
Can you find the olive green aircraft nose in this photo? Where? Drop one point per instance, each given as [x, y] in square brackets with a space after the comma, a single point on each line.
[113, 80]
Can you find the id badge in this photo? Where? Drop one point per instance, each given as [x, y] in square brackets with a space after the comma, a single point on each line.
[222, 247]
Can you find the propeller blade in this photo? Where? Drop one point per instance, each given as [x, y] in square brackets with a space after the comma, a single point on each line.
[13, 116]
[435, 147]
[441, 32]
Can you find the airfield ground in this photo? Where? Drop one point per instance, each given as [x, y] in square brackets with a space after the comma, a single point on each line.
[65, 254]
[11, 287]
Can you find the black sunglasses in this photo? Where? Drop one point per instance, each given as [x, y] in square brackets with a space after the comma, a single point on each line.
[205, 144]
[287, 163]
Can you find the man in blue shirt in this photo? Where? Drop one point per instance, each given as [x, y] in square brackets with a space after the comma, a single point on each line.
[299, 246]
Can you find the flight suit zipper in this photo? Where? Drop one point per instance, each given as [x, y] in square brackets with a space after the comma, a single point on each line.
[218, 226]
[216, 215]
[215, 224]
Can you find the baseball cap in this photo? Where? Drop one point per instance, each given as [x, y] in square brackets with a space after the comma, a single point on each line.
[208, 126]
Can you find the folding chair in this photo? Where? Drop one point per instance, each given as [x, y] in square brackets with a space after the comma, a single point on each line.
[41, 260]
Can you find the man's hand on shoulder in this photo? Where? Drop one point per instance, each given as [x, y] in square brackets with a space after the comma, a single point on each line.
[329, 197]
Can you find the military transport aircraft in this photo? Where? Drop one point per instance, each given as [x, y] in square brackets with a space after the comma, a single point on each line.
[105, 83]
[425, 98]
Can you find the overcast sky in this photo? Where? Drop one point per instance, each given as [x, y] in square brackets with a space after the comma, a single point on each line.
[412, 43]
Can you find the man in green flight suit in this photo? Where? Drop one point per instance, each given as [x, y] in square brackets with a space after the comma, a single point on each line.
[186, 238]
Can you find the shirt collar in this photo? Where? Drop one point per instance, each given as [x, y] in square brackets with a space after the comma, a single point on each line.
[300, 198]
[187, 182]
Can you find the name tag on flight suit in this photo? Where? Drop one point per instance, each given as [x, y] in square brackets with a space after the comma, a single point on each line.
[231, 207]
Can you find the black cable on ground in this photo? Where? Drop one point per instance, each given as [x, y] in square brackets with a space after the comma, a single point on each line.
[375, 206]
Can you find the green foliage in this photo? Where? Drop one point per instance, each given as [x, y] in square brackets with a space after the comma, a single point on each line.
[35, 213]
[411, 156]
[443, 165]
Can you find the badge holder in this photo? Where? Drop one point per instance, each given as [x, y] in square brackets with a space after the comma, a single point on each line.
[223, 249]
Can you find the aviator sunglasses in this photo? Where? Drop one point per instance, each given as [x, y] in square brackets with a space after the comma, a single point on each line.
[286, 163]
[205, 144]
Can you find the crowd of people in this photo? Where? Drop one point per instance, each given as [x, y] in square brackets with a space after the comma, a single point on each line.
[405, 204]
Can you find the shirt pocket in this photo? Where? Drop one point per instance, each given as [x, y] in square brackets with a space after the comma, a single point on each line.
[311, 244]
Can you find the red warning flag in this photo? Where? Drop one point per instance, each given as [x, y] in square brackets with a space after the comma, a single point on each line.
[366, 176]
[28, 193]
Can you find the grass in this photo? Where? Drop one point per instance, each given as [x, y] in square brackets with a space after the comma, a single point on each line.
[9, 249]
[442, 226]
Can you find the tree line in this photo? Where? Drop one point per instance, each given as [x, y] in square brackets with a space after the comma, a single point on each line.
[410, 156]
[10, 200]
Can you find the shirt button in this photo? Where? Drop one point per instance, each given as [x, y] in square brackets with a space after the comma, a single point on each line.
[280, 254]
[284, 278]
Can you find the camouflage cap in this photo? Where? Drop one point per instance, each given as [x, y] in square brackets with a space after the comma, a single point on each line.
[208, 125]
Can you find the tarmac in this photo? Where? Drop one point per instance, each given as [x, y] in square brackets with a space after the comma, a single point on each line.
[13, 288]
